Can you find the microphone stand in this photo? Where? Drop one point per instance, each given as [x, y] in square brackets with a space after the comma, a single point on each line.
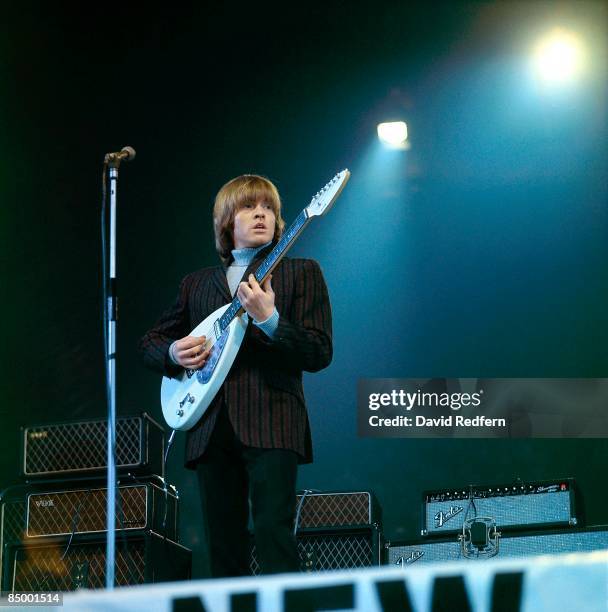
[113, 163]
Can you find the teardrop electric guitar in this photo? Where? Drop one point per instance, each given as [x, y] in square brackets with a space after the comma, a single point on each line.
[186, 397]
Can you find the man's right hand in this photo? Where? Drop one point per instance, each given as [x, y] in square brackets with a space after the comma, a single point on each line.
[190, 353]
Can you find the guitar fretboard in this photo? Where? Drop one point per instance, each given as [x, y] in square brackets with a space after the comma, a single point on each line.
[269, 262]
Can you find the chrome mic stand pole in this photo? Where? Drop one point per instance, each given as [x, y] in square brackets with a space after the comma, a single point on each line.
[113, 161]
[111, 373]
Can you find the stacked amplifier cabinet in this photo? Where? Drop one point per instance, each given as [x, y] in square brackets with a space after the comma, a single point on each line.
[518, 506]
[53, 534]
[481, 522]
[336, 530]
[525, 544]
[78, 511]
[80, 448]
[54, 565]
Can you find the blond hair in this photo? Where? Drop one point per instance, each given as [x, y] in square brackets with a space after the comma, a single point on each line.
[247, 188]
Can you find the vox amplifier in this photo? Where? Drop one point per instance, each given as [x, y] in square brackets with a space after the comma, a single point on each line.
[80, 447]
[321, 549]
[78, 511]
[12, 526]
[337, 509]
[59, 565]
[546, 504]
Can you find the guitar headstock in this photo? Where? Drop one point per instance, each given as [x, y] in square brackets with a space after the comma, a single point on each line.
[323, 199]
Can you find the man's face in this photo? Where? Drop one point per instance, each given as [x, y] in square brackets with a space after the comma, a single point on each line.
[253, 225]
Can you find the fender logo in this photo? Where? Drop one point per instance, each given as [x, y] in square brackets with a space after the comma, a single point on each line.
[412, 558]
[441, 518]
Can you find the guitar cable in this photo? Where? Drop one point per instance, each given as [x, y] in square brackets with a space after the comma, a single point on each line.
[164, 480]
[305, 492]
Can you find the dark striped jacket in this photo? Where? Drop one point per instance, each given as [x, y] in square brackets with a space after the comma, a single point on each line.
[263, 391]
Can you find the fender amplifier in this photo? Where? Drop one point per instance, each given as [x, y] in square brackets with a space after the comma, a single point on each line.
[518, 506]
[80, 447]
[500, 546]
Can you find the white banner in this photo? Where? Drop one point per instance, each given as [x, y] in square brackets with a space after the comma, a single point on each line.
[563, 583]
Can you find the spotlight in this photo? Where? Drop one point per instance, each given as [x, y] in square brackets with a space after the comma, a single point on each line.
[558, 57]
[393, 134]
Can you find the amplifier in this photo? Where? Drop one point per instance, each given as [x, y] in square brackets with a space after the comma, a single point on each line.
[509, 545]
[336, 509]
[12, 525]
[333, 549]
[139, 506]
[80, 447]
[56, 566]
[514, 507]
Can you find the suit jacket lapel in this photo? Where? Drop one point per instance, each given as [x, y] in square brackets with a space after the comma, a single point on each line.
[219, 274]
[219, 280]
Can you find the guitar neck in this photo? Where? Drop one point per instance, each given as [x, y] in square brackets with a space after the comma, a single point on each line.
[268, 265]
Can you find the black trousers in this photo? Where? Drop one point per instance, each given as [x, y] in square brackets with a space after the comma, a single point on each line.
[231, 476]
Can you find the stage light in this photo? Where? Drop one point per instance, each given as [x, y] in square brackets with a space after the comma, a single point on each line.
[558, 58]
[393, 134]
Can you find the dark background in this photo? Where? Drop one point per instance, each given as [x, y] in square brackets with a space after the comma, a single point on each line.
[481, 251]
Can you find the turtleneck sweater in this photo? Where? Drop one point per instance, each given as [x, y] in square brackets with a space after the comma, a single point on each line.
[234, 274]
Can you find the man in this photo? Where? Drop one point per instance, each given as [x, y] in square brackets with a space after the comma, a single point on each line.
[255, 432]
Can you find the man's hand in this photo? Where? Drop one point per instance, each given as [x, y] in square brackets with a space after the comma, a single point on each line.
[190, 352]
[257, 300]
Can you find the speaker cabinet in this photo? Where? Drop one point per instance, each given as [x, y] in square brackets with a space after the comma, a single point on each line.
[333, 549]
[510, 545]
[55, 564]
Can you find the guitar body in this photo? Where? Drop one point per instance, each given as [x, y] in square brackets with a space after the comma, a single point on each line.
[186, 397]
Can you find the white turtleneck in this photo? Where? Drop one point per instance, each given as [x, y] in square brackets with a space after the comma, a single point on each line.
[234, 274]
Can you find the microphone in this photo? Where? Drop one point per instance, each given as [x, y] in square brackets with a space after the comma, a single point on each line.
[126, 154]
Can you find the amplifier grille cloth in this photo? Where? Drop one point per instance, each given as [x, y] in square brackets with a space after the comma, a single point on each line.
[42, 569]
[84, 511]
[12, 528]
[331, 551]
[518, 546]
[81, 446]
[335, 509]
[13, 521]
[542, 509]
